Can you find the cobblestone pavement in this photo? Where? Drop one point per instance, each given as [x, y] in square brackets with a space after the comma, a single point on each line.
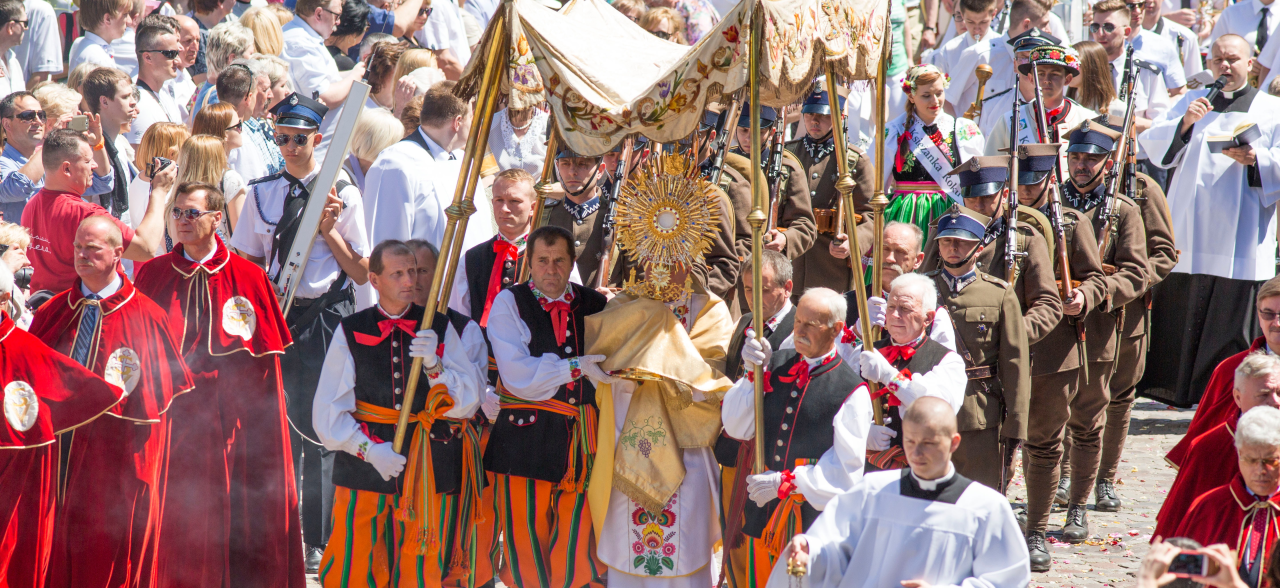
[1112, 554]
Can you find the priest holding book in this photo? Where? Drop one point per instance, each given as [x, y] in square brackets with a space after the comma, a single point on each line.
[1223, 203]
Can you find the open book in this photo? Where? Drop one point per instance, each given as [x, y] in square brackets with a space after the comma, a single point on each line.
[1243, 135]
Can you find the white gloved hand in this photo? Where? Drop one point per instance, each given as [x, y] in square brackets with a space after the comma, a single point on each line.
[761, 488]
[756, 352]
[875, 368]
[490, 405]
[878, 437]
[385, 459]
[424, 345]
[589, 364]
[876, 308]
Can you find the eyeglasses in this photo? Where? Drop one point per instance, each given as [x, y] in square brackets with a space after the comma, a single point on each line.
[1107, 27]
[167, 53]
[31, 116]
[661, 35]
[337, 14]
[1268, 316]
[236, 127]
[191, 214]
[425, 12]
[299, 139]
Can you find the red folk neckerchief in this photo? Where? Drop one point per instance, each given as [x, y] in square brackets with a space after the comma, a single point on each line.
[895, 352]
[385, 327]
[504, 251]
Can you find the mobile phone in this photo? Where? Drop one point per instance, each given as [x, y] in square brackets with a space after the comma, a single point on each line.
[79, 123]
[1189, 563]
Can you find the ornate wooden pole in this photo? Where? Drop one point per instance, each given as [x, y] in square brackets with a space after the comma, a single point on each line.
[543, 191]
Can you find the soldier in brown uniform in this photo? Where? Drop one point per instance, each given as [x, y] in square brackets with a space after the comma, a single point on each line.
[581, 178]
[826, 263]
[795, 230]
[992, 340]
[1056, 359]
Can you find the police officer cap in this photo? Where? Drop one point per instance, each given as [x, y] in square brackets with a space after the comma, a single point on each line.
[817, 103]
[1031, 39]
[1035, 161]
[767, 116]
[959, 225]
[982, 176]
[300, 112]
[1092, 137]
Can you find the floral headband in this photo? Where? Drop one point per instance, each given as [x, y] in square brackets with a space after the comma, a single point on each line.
[909, 84]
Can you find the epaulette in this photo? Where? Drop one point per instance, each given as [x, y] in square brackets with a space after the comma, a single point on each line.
[994, 280]
[1148, 65]
[267, 178]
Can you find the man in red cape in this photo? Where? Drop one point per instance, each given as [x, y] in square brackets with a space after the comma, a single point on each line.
[231, 506]
[1211, 459]
[1216, 406]
[1244, 514]
[45, 394]
[109, 496]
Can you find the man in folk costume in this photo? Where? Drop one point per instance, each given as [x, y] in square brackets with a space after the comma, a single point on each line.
[392, 529]
[1243, 513]
[1223, 208]
[234, 513]
[543, 443]
[1211, 457]
[112, 487]
[45, 394]
[816, 413]
[653, 487]
[923, 525]
[1056, 66]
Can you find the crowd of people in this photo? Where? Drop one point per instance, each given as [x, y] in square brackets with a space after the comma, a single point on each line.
[1069, 225]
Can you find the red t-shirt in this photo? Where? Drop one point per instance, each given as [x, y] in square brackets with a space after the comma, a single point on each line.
[53, 217]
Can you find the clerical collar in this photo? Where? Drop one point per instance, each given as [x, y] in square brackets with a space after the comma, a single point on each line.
[933, 484]
[213, 251]
[817, 361]
[772, 324]
[393, 316]
[104, 293]
[580, 212]
[819, 149]
[957, 283]
[1084, 202]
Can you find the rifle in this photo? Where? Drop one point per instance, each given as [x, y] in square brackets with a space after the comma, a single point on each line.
[1011, 253]
[1066, 289]
[607, 208]
[773, 171]
[1114, 175]
[723, 124]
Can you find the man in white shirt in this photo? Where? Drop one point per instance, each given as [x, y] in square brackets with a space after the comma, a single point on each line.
[13, 24]
[124, 49]
[312, 69]
[1026, 17]
[184, 86]
[158, 52]
[40, 51]
[109, 94]
[103, 21]
[243, 84]
[1154, 48]
[446, 36]
[1111, 27]
[1251, 19]
[975, 17]
[1184, 40]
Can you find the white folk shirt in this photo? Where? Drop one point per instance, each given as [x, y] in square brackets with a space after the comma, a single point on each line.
[999, 137]
[408, 190]
[93, 49]
[312, 70]
[876, 536]
[335, 400]
[841, 466]
[257, 225]
[1223, 226]
[533, 378]
[1242, 18]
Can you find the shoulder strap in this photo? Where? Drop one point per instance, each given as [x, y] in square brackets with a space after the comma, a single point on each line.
[1038, 221]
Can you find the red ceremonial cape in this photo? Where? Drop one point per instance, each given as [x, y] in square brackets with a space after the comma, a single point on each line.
[45, 393]
[1216, 404]
[110, 504]
[1224, 514]
[1211, 461]
[230, 513]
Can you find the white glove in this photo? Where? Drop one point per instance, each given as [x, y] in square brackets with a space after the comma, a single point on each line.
[589, 364]
[756, 351]
[874, 367]
[424, 345]
[384, 459]
[761, 488]
[878, 438]
[876, 308]
[490, 405]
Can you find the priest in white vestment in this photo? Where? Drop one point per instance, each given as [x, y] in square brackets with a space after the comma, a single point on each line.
[925, 525]
[1223, 217]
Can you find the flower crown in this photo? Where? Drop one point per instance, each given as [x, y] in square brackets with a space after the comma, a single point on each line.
[909, 84]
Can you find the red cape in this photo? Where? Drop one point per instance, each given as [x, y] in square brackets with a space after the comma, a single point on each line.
[1219, 516]
[1216, 404]
[66, 396]
[105, 535]
[1211, 461]
[230, 514]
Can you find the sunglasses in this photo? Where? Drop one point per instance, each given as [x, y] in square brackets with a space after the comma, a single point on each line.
[21, 22]
[426, 12]
[31, 116]
[299, 139]
[191, 214]
[167, 53]
[1106, 27]
[236, 127]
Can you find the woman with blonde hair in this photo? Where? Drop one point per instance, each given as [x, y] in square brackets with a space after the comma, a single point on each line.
[268, 37]
[60, 103]
[204, 159]
[665, 23]
[1093, 88]
[413, 59]
[14, 241]
[163, 139]
[376, 129]
[277, 70]
[921, 192]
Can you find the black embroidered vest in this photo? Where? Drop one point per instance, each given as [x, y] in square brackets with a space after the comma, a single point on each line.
[726, 449]
[927, 357]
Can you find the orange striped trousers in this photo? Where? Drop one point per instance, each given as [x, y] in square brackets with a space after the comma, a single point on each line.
[547, 537]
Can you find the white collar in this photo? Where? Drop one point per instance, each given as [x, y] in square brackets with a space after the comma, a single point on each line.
[519, 242]
[302, 24]
[434, 149]
[104, 293]
[93, 38]
[933, 484]
[1257, 6]
[817, 361]
[786, 307]
[205, 258]
[394, 316]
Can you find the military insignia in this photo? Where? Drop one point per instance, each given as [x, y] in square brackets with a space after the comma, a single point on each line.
[293, 100]
[1084, 126]
[21, 407]
[974, 165]
[124, 369]
[238, 317]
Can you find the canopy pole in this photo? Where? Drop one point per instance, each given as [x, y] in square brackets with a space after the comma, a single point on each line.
[757, 219]
[542, 192]
[880, 199]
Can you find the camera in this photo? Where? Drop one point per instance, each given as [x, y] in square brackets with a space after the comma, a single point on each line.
[153, 169]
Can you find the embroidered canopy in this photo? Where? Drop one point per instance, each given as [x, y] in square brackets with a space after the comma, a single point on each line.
[605, 77]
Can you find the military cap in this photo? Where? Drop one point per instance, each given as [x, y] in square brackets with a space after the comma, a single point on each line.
[1092, 137]
[767, 116]
[1031, 39]
[1114, 122]
[298, 111]
[982, 176]
[959, 225]
[817, 103]
[709, 120]
[565, 152]
[1035, 161]
[1065, 57]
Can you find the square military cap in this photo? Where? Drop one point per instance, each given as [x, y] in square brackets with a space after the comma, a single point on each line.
[298, 111]
[818, 103]
[1035, 161]
[957, 224]
[982, 176]
[1092, 137]
[767, 115]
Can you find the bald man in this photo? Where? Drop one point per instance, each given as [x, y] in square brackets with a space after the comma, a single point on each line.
[878, 532]
[107, 520]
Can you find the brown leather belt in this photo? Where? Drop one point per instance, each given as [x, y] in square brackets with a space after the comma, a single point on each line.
[1108, 269]
[825, 218]
[981, 372]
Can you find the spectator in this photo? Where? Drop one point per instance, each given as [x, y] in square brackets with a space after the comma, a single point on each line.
[123, 49]
[417, 23]
[1093, 88]
[371, 39]
[382, 68]
[13, 24]
[632, 9]
[103, 21]
[277, 71]
[207, 14]
[220, 121]
[376, 130]
[411, 115]
[268, 39]
[161, 140]
[22, 119]
[158, 52]
[227, 42]
[350, 30]
[184, 86]
[413, 59]
[56, 210]
[312, 69]
[109, 94]
[204, 159]
[75, 79]
[245, 87]
[59, 103]
[14, 241]
[446, 36]
[282, 12]
[699, 16]
[665, 23]
[1274, 87]
[517, 138]
[40, 51]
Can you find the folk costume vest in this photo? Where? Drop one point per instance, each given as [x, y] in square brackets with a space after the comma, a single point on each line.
[726, 448]
[927, 356]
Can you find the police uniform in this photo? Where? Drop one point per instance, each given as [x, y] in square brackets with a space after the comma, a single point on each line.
[324, 295]
[992, 340]
[816, 267]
